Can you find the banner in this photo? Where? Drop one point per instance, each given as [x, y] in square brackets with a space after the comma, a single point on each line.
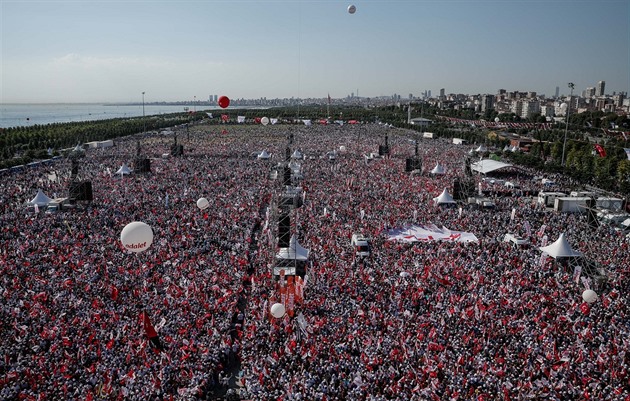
[240, 119]
[416, 233]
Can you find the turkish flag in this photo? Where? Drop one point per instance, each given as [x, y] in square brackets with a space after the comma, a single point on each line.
[148, 327]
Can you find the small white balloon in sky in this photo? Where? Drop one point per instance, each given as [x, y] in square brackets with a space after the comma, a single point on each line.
[352, 9]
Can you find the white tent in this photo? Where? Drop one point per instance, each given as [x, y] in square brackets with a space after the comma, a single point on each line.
[488, 165]
[264, 155]
[438, 169]
[482, 148]
[297, 154]
[560, 249]
[444, 198]
[293, 252]
[123, 169]
[40, 199]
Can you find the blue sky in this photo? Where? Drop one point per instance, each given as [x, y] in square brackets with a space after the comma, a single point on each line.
[113, 50]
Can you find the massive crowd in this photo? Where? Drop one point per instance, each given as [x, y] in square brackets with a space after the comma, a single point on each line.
[466, 321]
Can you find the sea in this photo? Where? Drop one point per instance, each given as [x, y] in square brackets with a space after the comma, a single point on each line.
[20, 115]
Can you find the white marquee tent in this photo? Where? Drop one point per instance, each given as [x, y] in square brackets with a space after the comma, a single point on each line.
[444, 198]
[40, 199]
[438, 169]
[123, 170]
[295, 251]
[560, 249]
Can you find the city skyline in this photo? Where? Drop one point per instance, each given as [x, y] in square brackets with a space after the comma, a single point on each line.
[109, 51]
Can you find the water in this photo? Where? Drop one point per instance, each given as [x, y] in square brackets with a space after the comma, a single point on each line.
[15, 115]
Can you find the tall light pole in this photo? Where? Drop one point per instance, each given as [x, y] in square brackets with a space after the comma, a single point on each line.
[144, 121]
[566, 130]
[195, 104]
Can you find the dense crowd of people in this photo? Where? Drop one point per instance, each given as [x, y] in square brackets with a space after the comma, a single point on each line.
[431, 320]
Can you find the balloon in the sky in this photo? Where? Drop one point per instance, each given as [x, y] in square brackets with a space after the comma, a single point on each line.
[277, 310]
[264, 120]
[224, 102]
[352, 9]
[137, 236]
[203, 203]
[589, 296]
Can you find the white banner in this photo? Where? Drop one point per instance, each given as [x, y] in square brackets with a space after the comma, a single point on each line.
[416, 233]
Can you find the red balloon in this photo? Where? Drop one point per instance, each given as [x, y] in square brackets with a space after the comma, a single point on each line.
[224, 102]
[585, 308]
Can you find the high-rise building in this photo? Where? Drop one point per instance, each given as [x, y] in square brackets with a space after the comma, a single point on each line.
[487, 103]
[589, 92]
[557, 92]
[442, 94]
[529, 108]
[601, 85]
[517, 107]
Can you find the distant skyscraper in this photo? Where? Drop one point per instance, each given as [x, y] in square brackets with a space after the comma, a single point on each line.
[601, 85]
[487, 102]
[557, 92]
[429, 94]
[442, 94]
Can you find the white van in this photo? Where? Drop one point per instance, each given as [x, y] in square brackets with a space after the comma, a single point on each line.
[516, 241]
[360, 245]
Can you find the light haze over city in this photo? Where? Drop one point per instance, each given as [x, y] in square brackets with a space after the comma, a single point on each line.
[112, 51]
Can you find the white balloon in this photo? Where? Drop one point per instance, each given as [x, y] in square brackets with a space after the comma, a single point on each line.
[264, 120]
[589, 296]
[277, 310]
[203, 203]
[497, 119]
[352, 9]
[404, 274]
[136, 236]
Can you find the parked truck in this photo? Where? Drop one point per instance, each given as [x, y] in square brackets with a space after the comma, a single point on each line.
[571, 204]
[548, 199]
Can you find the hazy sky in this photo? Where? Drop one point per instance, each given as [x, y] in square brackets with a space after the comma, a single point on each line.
[113, 50]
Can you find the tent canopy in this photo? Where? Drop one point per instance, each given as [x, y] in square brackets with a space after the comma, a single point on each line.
[264, 155]
[486, 166]
[40, 199]
[444, 198]
[438, 169]
[293, 252]
[123, 169]
[560, 249]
